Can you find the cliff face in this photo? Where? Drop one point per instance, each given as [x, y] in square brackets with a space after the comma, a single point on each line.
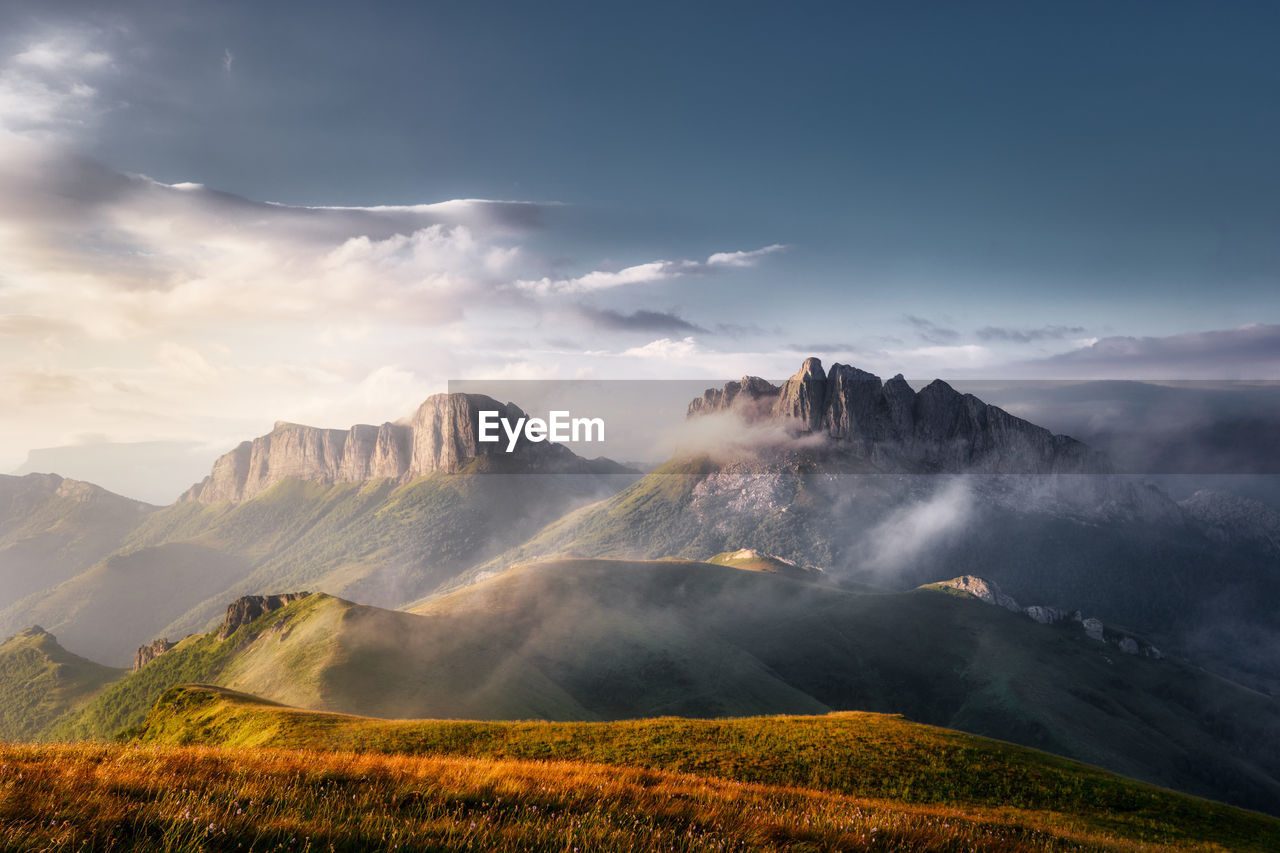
[937, 428]
[247, 608]
[441, 436]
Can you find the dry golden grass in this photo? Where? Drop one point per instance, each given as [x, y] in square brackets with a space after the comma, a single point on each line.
[94, 797]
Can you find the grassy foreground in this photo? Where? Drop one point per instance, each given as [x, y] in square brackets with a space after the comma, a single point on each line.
[880, 762]
[94, 797]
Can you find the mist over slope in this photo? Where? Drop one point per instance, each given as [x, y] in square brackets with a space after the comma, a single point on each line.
[599, 640]
[52, 528]
[878, 483]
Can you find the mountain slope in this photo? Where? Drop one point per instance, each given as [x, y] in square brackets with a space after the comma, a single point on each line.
[306, 523]
[930, 655]
[595, 639]
[880, 484]
[40, 681]
[52, 528]
[858, 754]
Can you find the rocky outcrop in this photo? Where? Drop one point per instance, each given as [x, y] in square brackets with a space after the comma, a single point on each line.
[984, 590]
[934, 429]
[990, 593]
[146, 654]
[443, 435]
[1230, 518]
[244, 610]
[752, 394]
[1046, 615]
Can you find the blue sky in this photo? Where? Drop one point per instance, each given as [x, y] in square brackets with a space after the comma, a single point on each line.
[705, 189]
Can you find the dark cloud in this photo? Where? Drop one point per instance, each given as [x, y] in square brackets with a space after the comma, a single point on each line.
[931, 332]
[822, 348]
[739, 330]
[637, 321]
[1026, 336]
[1249, 352]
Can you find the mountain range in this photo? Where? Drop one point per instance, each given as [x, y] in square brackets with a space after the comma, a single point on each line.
[771, 566]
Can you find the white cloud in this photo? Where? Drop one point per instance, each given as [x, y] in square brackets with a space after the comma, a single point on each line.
[665, 348]
[47, 89]
[646, 273]
[62, 52]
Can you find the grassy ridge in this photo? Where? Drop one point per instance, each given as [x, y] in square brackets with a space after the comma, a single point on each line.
[73, 797]
[599, 640]
[198, 658]
[852, 754]
[42, 682]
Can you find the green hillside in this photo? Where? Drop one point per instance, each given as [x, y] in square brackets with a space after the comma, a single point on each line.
[52, 529]
[40, 681]
[859, 754]
[324, 652]
[602, 640]
[380, 541]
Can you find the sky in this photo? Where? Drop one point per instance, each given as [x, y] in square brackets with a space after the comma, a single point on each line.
[216, 216]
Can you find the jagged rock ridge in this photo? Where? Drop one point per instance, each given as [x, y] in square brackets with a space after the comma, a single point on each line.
[989, 592]
[443, 435]
[247, 608]
[146, 654]
[936, 428]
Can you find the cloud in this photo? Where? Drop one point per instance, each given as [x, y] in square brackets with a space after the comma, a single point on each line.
[912, 530]
[121, 254]
[61, 53]
[47, 89]
[1247, 352]
[647, 273]
[228, 59]
[665, 349]
[726, 436]
[637, 321]
[743, 330]
[1026, 336]
[931, 332]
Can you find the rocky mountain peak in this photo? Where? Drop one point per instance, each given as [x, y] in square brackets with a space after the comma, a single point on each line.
[442, 435]
[803, 397]
[891, 425]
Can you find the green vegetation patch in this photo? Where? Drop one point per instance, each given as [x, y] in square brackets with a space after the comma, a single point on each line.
[42, 681]
[196, 659]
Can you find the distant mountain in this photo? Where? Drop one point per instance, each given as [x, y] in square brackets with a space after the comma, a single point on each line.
[442, 436]
[152, 471]
[598, 639]
[893, 427]
[52, 528]
[877, 483]
[317, 509]
[40, 681]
